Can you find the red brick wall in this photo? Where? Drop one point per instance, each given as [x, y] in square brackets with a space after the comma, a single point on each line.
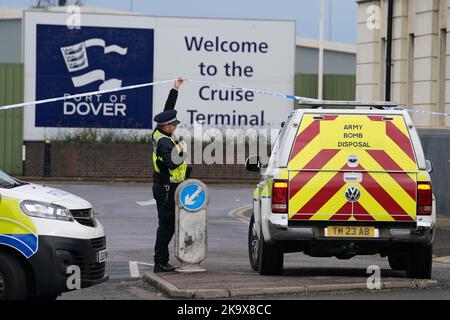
[34, 164]
[113, 161]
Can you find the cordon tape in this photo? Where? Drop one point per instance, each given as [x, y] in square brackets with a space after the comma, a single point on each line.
[212, 84]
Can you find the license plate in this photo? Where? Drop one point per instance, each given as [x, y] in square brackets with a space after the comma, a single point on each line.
[351, 232]
[102, 256]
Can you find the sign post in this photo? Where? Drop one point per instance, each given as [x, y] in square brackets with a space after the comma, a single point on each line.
[191, 225]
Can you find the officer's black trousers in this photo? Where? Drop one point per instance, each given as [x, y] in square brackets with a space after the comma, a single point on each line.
[164, 194]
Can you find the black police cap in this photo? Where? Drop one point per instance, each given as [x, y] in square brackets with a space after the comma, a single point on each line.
[167, 117]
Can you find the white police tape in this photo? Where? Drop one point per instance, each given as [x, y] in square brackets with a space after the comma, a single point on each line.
[230, 86]
[426, 112]
[303, 100]
[80, 95]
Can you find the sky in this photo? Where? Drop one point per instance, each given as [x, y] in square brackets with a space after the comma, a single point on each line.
[306, 12]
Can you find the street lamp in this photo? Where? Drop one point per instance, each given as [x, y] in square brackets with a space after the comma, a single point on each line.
[320, 85]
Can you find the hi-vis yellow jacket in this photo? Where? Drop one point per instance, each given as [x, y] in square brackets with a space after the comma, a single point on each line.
[177, 172]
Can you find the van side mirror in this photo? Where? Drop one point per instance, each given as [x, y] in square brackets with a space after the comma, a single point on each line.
[253, 164]
[429, 165]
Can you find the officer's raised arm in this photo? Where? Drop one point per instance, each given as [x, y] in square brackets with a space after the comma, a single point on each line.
[173, 95]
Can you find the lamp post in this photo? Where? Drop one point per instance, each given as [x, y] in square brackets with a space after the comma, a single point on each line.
[320, 85]
[390, 21]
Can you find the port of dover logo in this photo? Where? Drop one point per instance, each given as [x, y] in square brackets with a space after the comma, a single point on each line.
[91, 59]
[76, 59]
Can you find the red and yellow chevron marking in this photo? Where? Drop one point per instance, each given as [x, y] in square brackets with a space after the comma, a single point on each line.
[319, 160]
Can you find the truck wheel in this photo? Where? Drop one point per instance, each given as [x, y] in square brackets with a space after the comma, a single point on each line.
[397, 262]
[253, 244]
[420, 262]
[13, 280]
[270, 259]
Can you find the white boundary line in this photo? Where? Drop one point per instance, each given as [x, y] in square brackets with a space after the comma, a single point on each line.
[238, 214]
[134, 268]
[147, 203]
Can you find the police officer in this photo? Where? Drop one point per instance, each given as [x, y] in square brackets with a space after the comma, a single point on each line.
[170, 170]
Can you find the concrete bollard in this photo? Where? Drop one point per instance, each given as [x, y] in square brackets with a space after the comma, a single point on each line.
[191, 244]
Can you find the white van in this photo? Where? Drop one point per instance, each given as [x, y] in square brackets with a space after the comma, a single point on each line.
[48, 237]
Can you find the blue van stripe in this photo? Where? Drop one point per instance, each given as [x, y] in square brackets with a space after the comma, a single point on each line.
[25, 243]
[29, 239]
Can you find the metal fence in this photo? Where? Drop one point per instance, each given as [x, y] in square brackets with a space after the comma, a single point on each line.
[11, 121]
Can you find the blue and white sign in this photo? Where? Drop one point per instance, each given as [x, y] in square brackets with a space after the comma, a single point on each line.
[92, 59]
[193, 197]
[113, 50]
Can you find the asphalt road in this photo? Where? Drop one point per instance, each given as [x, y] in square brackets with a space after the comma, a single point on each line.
[131, 228]
[130, 221]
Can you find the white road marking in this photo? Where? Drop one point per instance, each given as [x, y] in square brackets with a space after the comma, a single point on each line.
[134, 268]
[146, 264]
[148, 203]
[239, 214]
[444, 260]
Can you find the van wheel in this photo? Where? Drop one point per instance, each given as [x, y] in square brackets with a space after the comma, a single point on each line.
[13, 283]
[397, 262]
[420, 262]
[253, 244]
[271, 259]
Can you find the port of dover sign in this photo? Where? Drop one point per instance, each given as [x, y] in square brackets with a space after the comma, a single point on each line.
[109, 51]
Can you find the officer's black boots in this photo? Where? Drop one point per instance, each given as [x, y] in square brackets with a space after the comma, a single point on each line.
[160, 268]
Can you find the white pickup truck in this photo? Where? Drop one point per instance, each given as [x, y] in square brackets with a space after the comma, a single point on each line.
[345, 181]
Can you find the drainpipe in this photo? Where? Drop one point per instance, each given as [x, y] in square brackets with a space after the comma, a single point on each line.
[390, 21]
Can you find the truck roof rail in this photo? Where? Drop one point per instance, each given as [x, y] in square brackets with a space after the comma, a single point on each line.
[329, 104]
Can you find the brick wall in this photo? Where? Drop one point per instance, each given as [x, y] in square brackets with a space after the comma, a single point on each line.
[34, 164]
[115, 161]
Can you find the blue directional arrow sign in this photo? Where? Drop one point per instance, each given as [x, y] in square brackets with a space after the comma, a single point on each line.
[193, 197]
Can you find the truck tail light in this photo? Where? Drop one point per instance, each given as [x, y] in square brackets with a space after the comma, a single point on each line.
[280, 196]
[424, 198]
